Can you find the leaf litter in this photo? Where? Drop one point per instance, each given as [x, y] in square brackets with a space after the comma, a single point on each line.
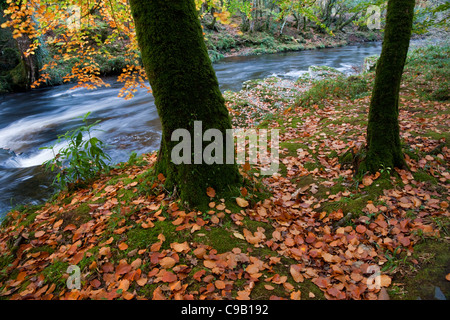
[307, 243]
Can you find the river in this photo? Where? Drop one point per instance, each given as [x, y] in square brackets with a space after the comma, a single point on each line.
[31, 120]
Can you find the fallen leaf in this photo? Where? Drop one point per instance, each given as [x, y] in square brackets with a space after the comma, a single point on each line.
[169, 277]
[142, 281]
[124, 285]
[219, 284]
[39, 234]
[383, 295]
[360, 228]
[238, 235]
[295, 273]
[167, 262]
[385, 280]
[180, 247]
[296, 295]
[367, 181]
[242, 202]
[158, 294]
[210, 192]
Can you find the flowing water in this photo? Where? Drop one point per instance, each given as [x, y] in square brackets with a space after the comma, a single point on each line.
[31, 120]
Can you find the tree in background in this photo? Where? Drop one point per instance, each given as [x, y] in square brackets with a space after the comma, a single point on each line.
[383, 134]
[185, 88]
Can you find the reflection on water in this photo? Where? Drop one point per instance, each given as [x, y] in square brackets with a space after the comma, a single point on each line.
[34, 119]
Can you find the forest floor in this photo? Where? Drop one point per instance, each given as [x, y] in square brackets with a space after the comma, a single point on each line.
[314, 230]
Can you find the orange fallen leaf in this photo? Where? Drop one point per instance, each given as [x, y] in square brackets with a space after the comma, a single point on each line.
[124, 285]
[77, 258]
[167, 262]
[360, 228]
[295, 273]
[385, 280]
[156, 246]
[123, 246]
[296, 295]
[209, 264]
[219, 284]
[242, 202]
[169, 277]
[127, 295]
[21, 276]
[142, 281]
[158, 294]
[210, 192]
[70, 227]
[180, 247]
[39, 234]
[367, 181]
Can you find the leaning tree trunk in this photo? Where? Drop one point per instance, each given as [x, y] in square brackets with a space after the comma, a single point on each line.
[383, 136]
[186, 89]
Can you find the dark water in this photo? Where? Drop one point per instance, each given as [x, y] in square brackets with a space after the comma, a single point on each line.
[34, 119]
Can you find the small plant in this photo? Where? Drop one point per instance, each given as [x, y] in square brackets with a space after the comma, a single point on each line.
[81, 160]
[386, 170]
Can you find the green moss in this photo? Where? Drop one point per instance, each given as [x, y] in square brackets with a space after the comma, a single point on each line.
[423, 176]
[421, 280]
[292, 148]
[220, 239]
[182, 98]
[54, 272]
[352, 88]
[440, 135]
[140, 238]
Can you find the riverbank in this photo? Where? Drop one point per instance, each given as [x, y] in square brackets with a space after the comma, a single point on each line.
[224, 41]
[230, 42]
[312, 231]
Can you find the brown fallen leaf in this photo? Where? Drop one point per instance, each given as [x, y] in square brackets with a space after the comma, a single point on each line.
[169, 277]
[242, 202]
[385, 280]
[383, 295]
[180, 247]
[367, 181]
[167, 262]
[219, 284]
[296, 295]
[210, 192]
[39, 234]
[296, 274]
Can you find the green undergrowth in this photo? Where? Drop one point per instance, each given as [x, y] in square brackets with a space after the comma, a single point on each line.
[352, 88]
[427, 70]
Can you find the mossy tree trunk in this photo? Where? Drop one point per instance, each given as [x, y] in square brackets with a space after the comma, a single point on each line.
[383, 134]
[186, 89]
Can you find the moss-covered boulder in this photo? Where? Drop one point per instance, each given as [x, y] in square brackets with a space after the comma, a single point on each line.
[323, 72]
[370, 63]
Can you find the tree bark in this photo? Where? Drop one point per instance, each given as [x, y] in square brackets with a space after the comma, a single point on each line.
[383, 134]
[186, 89]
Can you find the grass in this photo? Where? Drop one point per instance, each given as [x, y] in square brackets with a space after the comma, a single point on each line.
[341, 87]
[427, 69]
[424, 271]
